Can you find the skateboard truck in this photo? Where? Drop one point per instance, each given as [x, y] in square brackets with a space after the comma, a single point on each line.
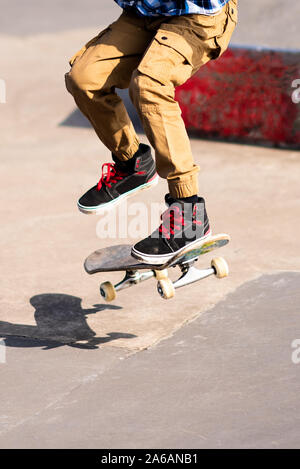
[191, 274]
[165, 286]
[133, 277]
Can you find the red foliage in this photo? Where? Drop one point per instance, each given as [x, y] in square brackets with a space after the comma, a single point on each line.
[245, 94]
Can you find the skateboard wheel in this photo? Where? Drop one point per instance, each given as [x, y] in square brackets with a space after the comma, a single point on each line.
[220, 267]
[107, 291]
[166, 288]
[160, 274]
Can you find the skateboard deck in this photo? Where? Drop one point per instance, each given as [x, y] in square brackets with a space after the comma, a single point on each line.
[119, 258]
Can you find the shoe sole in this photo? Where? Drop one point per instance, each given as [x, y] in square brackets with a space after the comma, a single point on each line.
[162, 259]
[113, 203]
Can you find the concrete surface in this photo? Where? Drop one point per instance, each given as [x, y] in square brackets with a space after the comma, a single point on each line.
[226, 380]
[63, 343]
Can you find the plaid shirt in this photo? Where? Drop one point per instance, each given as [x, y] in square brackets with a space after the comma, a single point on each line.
[173, 8]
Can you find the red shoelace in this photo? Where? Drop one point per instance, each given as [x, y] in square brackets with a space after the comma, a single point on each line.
[173, 219]
[110, 175]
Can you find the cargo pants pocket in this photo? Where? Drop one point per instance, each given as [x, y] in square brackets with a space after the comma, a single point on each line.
[170, 58]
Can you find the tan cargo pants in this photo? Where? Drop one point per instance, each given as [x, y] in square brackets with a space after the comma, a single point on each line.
[150, 56]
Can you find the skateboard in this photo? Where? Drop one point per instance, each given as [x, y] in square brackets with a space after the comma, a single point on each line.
[118, 258]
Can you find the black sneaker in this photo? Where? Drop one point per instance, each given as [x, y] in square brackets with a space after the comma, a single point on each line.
[120, 180]
[183, 224]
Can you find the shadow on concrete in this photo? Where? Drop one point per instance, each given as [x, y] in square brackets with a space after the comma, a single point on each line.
[77, 119]
[60, 320]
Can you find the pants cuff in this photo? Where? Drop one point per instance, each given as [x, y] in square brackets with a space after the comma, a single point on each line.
[180, 189]
[123, 155]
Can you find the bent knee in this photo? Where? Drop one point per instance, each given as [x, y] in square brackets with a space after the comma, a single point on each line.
[83, 78]
[78, 78]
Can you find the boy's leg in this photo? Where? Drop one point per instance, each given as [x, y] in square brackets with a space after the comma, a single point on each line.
[106, 63]
[180, 47]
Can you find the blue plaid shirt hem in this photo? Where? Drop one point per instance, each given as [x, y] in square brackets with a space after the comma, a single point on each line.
[173, 8]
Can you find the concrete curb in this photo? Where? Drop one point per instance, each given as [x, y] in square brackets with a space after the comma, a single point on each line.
[249, 94]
